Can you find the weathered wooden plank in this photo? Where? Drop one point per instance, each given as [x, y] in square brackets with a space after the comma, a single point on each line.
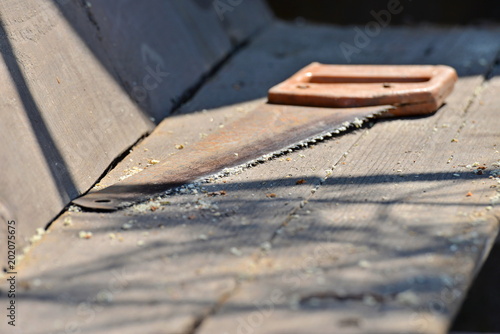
[391, 241]
[204, 253]
[59, 129]
[194, 271]
[72, 71]
[375, 249]
[159, 50]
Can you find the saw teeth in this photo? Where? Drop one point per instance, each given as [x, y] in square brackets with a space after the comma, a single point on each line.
[239, 169]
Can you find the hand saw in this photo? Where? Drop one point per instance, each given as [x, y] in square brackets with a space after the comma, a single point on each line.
[319, 100]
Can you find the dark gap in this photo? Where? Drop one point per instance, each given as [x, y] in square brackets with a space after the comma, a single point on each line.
[379, 79]
[386, 12]
[481, 308]
[191, 92]
[113, 164]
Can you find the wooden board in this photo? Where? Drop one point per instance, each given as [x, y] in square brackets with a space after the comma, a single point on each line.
[390, 242]
[159, 51]
[72, 73]
[231, 257]
[59, 128]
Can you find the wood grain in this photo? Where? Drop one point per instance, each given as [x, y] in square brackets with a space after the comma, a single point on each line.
[337, 237]
[81, 82]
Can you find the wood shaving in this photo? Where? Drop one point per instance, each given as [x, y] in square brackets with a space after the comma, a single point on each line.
[408, 298]
[217, 193]
[67, 221]
[85, 235]
[74, 208]
[130, 171]
[35, 238]
[364, 264]
[128, 225]
[236, 251]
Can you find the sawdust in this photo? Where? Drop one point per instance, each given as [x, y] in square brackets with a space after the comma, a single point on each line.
[35, 238]
[205, 205]
[409, 298]
[74, 209]
[128, 225]
[194, 187]
[67, 221]
[495, 199]
[364, 264]
[130, 171]
[150, 205]
[235, 251]
[84, 235]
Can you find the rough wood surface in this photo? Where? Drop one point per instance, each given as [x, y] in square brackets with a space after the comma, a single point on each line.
[59, 128]
[160, 50]
[71, 72]
[370, 231]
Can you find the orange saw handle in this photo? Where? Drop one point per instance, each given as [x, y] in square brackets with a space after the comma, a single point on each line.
[410, 89]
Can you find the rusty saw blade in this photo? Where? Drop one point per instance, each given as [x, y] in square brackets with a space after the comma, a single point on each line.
[317, 100]
[270, 128]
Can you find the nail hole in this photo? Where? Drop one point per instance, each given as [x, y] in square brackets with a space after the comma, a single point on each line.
[387, 85]
[302, 86]
[102, 201]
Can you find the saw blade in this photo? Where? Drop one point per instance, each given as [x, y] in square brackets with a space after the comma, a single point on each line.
[269, 129]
